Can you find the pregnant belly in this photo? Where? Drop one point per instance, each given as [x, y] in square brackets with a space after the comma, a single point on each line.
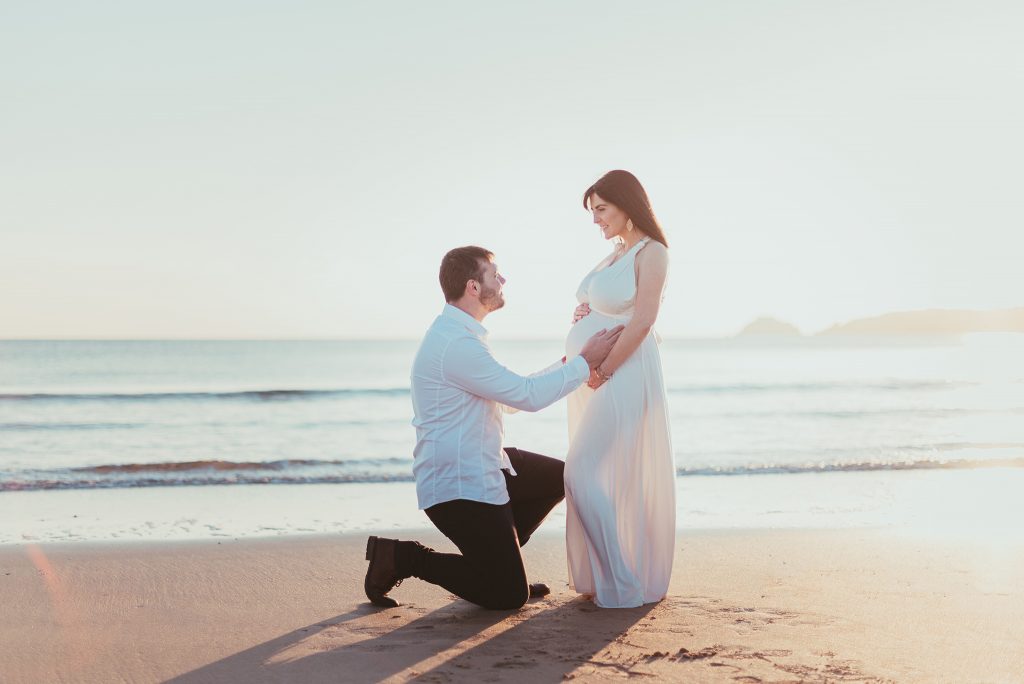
[585, 328]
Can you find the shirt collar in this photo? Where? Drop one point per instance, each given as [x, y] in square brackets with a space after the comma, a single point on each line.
[457, 314]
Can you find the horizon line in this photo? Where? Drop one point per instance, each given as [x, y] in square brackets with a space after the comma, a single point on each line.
[797, 334]
[667, 338]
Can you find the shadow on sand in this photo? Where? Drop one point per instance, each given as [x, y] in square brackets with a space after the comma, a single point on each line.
[555, 636]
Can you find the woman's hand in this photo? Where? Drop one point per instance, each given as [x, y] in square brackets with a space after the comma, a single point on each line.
[595, 380]
[581, 311]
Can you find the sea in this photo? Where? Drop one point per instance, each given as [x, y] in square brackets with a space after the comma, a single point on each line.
[168, 439]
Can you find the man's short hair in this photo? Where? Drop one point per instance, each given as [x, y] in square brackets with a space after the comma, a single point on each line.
[459, 266]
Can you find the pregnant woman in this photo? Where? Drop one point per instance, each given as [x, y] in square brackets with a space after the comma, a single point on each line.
[619, 471]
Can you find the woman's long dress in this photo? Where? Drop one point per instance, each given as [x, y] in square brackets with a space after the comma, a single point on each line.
[619, 471]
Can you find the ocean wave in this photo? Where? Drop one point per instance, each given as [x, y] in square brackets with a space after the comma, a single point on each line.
[854, 467]
[852, 414]
[206, 473]
[209, 472]
[142, 482]
[745, 388]
[286, 394]
[776, 457]
[250, 395]
[233, 424]
[184, 466]
[71, 426]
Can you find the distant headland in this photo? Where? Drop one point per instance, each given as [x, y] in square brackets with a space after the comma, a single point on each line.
[925, 322]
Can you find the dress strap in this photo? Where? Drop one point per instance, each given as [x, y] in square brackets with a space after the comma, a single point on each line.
[641, 243]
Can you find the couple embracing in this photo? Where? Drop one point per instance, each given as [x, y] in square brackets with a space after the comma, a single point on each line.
[618, 477]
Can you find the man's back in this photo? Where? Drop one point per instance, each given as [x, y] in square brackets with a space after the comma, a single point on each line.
[458, 434]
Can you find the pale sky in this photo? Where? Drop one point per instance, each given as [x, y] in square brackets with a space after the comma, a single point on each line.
[297, 169]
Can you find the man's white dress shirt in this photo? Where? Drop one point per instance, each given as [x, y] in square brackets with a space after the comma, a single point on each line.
[458, 390]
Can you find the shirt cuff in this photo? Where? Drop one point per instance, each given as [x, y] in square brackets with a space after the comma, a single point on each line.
[581, 368]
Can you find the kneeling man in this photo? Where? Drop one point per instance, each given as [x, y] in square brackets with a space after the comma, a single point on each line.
[487, 499]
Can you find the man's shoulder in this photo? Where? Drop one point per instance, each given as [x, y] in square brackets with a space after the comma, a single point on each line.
[444, 328]
[445, 334]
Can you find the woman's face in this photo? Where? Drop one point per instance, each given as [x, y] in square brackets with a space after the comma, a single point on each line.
[609, 217]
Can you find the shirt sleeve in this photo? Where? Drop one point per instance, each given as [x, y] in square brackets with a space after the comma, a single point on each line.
[555, 366]
[469, 365]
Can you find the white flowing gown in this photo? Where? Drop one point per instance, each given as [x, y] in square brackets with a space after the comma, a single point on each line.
[619, 471]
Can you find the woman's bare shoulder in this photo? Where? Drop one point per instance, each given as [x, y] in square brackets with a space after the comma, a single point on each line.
[653, 252]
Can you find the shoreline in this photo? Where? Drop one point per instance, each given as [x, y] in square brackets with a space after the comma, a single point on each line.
[951, 501]
[842, 605]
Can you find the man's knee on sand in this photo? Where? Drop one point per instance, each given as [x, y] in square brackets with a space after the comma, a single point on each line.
[510, 596]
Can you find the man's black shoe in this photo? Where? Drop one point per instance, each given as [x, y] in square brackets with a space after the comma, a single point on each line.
[382, 575]
[538, 590]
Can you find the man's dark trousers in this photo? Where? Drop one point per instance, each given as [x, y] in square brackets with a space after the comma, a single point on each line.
[490, 571]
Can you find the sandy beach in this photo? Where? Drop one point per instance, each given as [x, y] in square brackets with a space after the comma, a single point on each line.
[749, 606]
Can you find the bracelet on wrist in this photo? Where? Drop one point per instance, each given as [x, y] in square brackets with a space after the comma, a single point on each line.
[601, 374]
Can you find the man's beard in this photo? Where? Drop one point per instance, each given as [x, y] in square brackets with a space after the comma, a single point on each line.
[492, 299]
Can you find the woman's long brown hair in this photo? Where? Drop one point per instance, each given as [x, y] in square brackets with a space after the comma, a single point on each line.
[622, 189]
